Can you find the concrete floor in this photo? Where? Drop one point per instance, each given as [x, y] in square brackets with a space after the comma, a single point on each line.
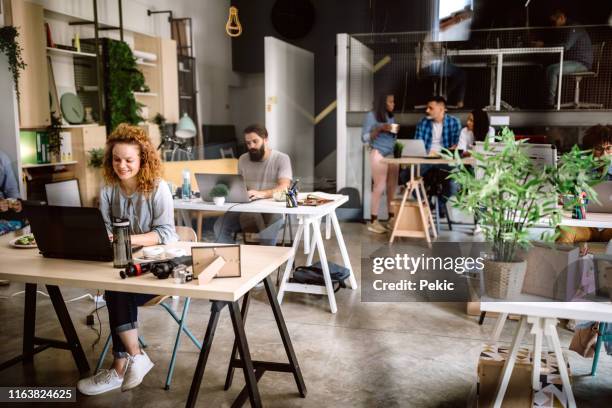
[366, 355]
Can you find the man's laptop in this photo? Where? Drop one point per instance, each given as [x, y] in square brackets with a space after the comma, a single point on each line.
[414, 148]
[604, 195]
[235, 184]
[70, 232]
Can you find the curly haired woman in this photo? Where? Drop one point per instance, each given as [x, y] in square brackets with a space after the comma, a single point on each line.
[133, 190]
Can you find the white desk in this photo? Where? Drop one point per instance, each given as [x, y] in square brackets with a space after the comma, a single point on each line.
[26, 265]
[593, 220]
[500, 53]
[308, 217]
[542, 316]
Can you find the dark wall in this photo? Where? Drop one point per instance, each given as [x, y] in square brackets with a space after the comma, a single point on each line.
[364, 16]
[331, 17]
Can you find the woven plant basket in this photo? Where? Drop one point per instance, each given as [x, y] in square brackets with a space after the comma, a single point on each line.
[504, 280]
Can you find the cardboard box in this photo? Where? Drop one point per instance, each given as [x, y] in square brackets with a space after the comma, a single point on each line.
[519, 393]
[552, 272]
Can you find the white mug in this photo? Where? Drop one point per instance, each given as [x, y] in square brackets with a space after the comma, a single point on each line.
[394, 128]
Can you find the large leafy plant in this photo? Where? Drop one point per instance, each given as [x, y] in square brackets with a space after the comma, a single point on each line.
[122, 80]
[11, 48]
[508, 193]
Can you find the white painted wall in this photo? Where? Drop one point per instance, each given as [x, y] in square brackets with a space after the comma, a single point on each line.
[289, 73]
[213, 53]
[247, 101]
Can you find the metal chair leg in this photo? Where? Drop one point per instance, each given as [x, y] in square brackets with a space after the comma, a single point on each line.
[597, 349]
[103, 355]
[482, 317]
[181, 327]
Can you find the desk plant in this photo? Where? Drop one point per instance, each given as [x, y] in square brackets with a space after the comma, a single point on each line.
[218, 193]
[509, 194]
[398, 148]
[578, 171]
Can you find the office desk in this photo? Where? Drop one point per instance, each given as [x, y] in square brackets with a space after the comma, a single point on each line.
[593, 220]
[308, 216]
[499, 53]
[415, 185]
[258, 262]
[542, 315]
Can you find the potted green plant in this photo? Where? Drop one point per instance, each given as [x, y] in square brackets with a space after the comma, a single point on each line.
[218, 193]
[96, 158]
[577, 173]
[54, 132]
[398, 148]
[509, 194]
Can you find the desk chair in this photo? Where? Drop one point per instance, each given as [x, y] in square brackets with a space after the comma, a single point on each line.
[578, 76]
[188, 235]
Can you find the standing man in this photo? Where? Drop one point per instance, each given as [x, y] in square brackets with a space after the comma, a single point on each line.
[577, 53]
[265, 171]
[438, 130]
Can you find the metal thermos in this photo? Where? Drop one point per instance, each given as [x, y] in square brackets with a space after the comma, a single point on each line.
[122, 244]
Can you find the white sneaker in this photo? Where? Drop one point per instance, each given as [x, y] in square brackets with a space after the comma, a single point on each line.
[137, 367]
[376, 227]
[99, 383]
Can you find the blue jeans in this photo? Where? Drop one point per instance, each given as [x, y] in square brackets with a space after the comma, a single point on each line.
[266, 225]
[552, 77]
[123, 315]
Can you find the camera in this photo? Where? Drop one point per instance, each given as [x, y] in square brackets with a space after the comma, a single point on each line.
[161, 269]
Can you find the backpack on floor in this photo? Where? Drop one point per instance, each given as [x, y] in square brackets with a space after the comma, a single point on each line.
[313, 275]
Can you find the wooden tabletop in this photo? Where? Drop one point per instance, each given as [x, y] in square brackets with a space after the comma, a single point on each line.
[27, 265]
[424, 160]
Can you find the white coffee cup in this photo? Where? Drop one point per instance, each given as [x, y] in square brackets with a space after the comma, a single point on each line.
[394, 128]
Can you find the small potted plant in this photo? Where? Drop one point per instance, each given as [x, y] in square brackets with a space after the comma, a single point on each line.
[577, 173]
[54, 132]
[398, 148]
[509, 194]
[218, 193]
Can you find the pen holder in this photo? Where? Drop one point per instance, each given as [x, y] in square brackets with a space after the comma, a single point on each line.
[291, 198]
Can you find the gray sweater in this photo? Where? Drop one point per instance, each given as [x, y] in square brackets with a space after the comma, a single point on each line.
[146, 214]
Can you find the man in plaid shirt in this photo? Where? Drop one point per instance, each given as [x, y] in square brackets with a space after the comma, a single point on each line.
[438, 130]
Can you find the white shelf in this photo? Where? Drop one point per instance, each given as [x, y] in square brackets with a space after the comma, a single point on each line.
[144, 93]
[68, 52]
[146, 64]
[84, 125]
[29, 166]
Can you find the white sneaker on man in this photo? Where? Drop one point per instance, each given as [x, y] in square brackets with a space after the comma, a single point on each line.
[99, 383]
[137, 367]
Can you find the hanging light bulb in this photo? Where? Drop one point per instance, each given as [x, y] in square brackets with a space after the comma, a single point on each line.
[233, 28]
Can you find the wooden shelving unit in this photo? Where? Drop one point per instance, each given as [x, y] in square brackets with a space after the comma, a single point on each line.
[32, 166]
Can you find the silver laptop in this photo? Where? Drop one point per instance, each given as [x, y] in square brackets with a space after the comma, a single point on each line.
[414, 148]
[604, 195]
[235, 183]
